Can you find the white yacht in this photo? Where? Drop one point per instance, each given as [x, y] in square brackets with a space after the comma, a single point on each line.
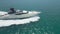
[17, 14]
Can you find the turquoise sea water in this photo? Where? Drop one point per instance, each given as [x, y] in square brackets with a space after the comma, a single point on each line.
[49, 22]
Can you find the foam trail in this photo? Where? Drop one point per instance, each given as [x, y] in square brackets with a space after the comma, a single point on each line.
[23, 21]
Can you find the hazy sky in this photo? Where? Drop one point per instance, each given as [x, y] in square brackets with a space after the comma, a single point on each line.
[49, 4]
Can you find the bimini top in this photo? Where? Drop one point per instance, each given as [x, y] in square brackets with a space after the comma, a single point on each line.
[11, 11]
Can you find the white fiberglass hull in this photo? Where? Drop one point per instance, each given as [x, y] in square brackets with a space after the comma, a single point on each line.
[13, 16]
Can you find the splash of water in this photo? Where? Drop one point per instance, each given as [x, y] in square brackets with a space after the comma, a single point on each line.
[23, 21]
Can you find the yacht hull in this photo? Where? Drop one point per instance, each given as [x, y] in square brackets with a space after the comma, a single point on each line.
[13, 16]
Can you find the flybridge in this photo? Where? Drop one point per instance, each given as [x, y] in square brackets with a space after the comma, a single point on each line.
[18, 12]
